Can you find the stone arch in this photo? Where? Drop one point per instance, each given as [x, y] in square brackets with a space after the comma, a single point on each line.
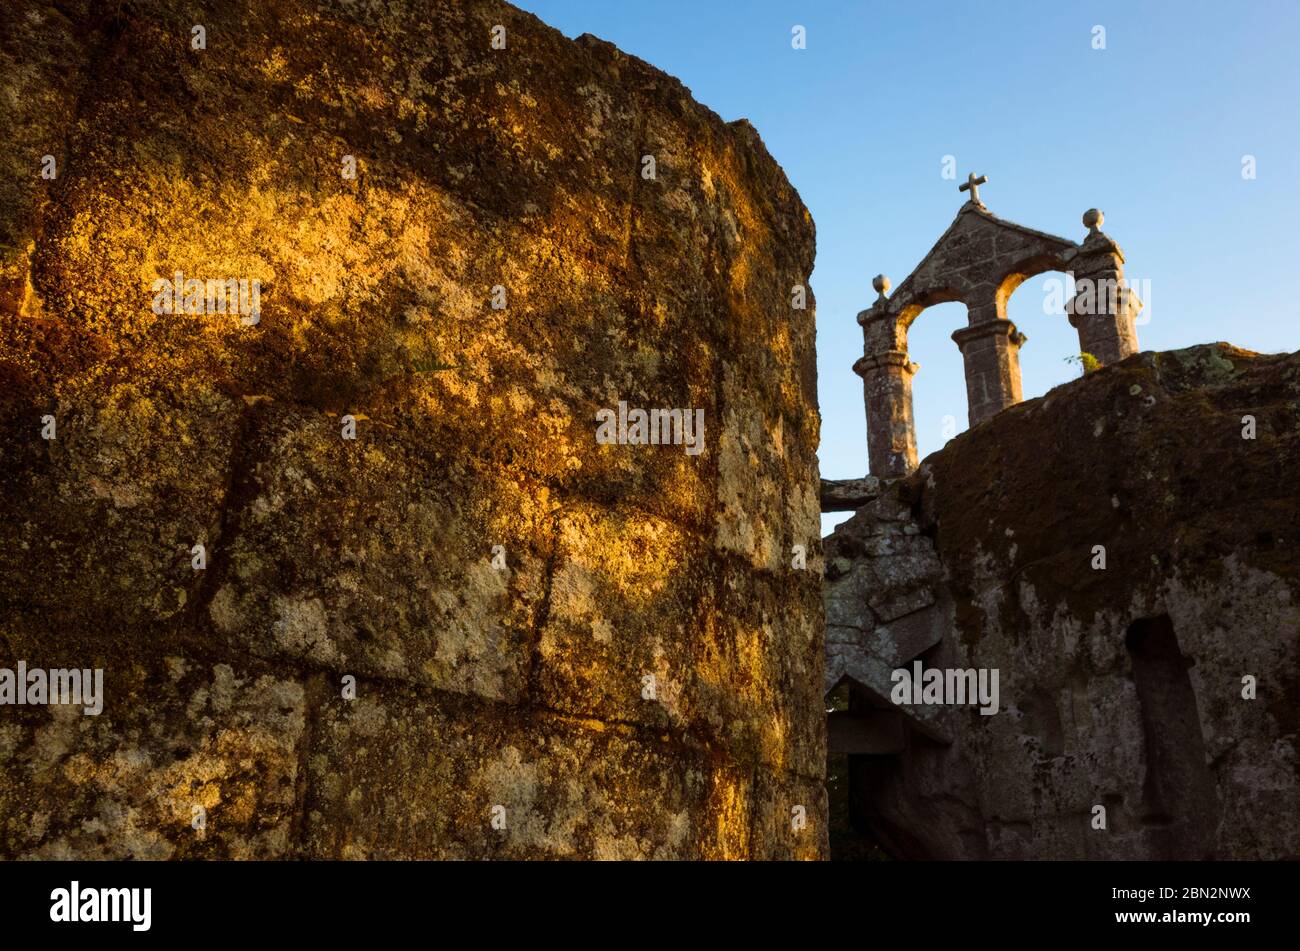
[1031, 267]
[937, 408]
[1052, 339]
[980, 261]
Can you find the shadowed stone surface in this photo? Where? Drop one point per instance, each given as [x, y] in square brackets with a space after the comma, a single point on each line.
[476, 687]
[848, 495]
[1119, 687]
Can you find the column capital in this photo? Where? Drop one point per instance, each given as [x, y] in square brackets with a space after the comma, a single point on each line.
[876, 311]
[887, 358]
[990, 328]
[1100, 245]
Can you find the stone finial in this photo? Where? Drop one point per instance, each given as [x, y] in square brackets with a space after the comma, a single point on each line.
[1093, 220]
[972, 185]
[882, 285]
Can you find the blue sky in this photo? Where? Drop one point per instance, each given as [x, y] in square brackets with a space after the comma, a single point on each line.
[1152, 130]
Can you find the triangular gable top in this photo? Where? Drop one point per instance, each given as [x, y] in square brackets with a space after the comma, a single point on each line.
[978, 248]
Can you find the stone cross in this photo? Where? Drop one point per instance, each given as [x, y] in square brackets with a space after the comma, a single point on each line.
[973, 186]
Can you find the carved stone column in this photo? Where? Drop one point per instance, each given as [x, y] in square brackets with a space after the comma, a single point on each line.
[1103, 309]
[891, 433]
[991, 351]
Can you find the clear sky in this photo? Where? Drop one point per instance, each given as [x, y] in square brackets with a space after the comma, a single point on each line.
[1153, 130]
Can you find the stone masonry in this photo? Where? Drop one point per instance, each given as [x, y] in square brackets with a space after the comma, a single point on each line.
[471, 631]
[1146, 701]
[980, 260]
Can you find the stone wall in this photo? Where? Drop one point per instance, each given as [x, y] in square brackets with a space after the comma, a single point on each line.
[499, 585]
[1120, 686]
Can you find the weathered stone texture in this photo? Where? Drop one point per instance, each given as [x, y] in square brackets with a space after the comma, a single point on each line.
[372, 558]
[887, 396]
[1119, 687]
[848, 495]
[980, 260]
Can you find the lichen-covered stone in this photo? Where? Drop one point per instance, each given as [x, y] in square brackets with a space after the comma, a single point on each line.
[1120, 687]
[185, 761]
[497, 583]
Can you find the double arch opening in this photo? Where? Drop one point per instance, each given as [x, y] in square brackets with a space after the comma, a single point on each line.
[980, 261]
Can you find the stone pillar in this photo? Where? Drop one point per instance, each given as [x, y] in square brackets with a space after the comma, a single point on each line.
[1103, 309]
[991, 351]
[891, 434]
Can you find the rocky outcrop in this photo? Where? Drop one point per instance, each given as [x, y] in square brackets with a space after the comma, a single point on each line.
[471, 630]
[1125, 687]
